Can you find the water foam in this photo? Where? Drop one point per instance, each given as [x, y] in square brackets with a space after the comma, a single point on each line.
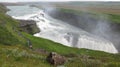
[66, 34]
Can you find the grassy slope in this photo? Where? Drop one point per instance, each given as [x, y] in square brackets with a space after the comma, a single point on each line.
[13, 53]
[112, 17]
[18, 55]
[9, 31]
[115, 18]
[104, 59]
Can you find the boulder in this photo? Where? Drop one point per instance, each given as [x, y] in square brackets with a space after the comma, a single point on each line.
[56, 59]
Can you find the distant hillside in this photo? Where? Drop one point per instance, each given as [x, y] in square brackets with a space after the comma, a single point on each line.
[89, 21]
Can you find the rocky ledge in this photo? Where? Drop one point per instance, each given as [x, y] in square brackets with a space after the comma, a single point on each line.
[28, 26]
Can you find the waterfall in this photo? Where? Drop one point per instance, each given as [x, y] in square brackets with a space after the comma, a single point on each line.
[66, 34]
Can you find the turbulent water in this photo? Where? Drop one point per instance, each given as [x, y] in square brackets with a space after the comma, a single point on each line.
[59, 31]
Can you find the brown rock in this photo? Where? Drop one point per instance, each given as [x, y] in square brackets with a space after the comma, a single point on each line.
[56, 59]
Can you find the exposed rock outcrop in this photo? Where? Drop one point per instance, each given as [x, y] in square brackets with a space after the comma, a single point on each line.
[28, 26]
[56, 59]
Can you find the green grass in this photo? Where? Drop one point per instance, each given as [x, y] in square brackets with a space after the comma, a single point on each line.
[59, 48]
[114, 18]
[19, 56]
[111, 17]
[67, 51]
[9, 31]
[14, 53]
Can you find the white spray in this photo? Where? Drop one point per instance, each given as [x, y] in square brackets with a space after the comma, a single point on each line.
[66, 34]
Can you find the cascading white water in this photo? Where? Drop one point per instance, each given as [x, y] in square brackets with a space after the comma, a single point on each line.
[66, 34]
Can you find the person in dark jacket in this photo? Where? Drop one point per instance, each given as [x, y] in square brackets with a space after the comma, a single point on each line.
[30, 44]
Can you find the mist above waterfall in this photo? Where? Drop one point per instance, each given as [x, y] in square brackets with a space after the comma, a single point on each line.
[98, 27]
[95, 23]
[67, 33]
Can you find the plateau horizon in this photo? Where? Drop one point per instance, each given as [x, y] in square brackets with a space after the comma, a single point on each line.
[52, 0]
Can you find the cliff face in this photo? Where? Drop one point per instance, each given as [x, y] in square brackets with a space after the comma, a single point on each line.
[80, 20]
[28, 26]
[84, 20]
[93, 23]
[3, 9]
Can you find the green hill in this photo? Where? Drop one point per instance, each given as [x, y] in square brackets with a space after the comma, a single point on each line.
[8, 29]
[14, 51]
